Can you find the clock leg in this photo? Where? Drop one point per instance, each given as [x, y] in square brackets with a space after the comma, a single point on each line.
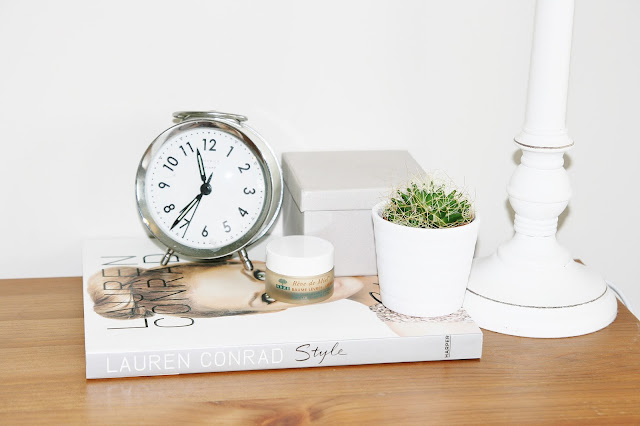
[167, 257]
[245, 260]
[257, 273]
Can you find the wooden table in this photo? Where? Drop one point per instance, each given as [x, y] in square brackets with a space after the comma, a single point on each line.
[593, 378]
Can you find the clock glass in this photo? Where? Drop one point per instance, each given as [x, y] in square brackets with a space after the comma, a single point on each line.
[205, 187]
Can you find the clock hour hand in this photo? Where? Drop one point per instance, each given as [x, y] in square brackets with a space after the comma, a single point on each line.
[186, 210]
[203, 175]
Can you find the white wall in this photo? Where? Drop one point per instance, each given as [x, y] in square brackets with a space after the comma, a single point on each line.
[85, 87]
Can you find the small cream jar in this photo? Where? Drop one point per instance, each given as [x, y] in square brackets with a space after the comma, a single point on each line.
[299, 269]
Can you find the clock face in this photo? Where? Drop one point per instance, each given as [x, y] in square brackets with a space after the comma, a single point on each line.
[205, 188]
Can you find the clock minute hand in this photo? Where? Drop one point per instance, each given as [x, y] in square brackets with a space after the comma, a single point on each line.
[186, 210]
[203, 175]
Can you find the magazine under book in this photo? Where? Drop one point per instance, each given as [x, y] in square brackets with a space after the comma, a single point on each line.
[145, 319]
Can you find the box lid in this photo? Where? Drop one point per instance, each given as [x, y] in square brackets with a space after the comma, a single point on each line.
[344, 180]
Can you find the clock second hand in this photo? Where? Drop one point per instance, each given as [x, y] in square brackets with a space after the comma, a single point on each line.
[191, 218]
[186, 210]
[205, 189]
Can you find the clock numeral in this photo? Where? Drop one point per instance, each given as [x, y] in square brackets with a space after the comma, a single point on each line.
[172, 161]
[211, 141]
[249, 191]
[205, 233]
[184, 151]
[246, 167]
[168, 208]
[226, 227]
[164, 185]
[230, 149]
[243, 213]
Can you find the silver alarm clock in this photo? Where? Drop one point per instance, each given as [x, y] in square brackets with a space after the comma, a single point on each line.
[209, 186]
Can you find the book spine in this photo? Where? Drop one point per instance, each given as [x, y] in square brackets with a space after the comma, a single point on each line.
[286, 355]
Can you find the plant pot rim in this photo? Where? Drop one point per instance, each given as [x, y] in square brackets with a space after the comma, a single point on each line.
[377, 213]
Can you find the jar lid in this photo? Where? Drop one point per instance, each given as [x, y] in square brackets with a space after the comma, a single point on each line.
[299, 255]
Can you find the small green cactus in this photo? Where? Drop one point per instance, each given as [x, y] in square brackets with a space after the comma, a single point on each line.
[427, 202]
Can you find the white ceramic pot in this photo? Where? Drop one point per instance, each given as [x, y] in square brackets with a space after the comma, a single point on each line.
[423, 272]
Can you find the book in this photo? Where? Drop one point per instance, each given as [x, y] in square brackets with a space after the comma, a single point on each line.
[143, 319]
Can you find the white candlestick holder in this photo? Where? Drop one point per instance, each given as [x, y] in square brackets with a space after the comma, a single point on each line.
[532, 286]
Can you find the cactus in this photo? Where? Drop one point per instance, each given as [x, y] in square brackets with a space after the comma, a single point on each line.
[428, 202]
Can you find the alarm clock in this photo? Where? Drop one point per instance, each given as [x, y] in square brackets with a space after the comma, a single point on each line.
[209, 186]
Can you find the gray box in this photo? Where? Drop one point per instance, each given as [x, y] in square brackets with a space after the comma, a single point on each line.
[330, 195]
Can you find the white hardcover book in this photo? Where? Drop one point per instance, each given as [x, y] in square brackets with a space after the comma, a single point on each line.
[142, 319]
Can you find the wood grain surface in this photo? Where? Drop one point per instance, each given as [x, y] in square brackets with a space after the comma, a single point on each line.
[587, 379]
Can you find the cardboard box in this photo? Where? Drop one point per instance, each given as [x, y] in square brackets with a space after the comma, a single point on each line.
[330, 195]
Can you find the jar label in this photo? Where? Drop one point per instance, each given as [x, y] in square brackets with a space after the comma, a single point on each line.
[299, 289]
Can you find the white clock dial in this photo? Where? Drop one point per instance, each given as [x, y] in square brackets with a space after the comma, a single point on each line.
[205, 188]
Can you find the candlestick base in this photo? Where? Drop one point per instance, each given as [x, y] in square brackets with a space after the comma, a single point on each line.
[529, 300]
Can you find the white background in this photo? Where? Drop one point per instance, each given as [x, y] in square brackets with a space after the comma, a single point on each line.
[85, 87]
